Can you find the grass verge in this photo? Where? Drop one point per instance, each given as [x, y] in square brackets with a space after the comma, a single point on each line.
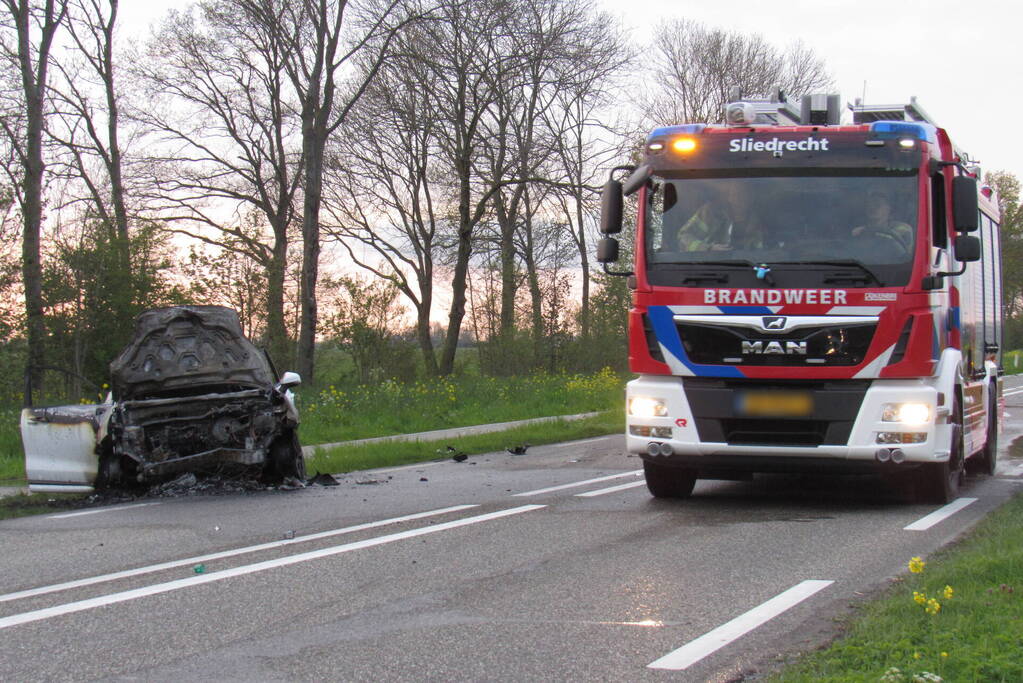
[25, 504]
[959, 619]
[386, 408]
[394, 453]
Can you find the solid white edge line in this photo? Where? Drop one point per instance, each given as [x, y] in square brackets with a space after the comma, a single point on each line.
[67, 585]
[387, 470]
[549, 489]
[612, 489]
[96, 512]
[584, 441]
[939, 515]
[712, 641]
[200, 579]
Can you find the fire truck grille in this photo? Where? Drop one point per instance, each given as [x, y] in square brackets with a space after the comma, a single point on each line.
[721, 413]
[806, 346]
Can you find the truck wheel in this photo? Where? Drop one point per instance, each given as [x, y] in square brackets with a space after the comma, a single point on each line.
[669, 482]
[988, 459]
[939, 482]
[285, 457]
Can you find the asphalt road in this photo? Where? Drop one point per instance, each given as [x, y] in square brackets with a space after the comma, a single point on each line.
[553, 565]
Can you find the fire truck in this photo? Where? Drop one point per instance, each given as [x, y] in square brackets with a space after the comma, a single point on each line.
[810, 295]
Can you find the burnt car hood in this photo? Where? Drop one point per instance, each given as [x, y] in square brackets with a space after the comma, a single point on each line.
[182, 350]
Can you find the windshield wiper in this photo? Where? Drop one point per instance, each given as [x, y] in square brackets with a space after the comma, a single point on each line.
[853, 263]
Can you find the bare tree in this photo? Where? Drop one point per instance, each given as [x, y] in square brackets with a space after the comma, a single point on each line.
[323, 38]
[87, 103]
[465, 50]
[35, 24]
[589, 135]
[227, 135]
[696, 67]
[384, 190]
[85, 124]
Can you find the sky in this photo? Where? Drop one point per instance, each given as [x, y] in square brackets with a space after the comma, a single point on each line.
[962, 60]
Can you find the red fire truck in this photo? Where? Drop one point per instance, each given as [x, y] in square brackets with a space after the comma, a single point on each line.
[810, 296]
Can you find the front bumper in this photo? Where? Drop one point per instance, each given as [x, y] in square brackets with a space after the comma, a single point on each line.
[707, 431]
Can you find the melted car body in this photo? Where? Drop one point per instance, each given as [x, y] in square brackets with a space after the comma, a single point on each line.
[188, 393]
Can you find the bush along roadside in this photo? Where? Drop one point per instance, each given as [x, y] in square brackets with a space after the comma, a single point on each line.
[955, 617]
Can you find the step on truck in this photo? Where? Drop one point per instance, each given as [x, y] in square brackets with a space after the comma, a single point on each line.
[809, 296]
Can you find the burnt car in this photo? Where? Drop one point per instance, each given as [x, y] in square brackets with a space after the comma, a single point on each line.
[188, 394]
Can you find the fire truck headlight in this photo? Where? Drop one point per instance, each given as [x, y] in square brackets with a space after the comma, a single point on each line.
[642, 406]
[906, 413]
[684, 145]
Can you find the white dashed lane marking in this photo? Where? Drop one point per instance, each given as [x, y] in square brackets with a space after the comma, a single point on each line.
[584, 482]
[712, 641]
[939, 515]
[612, 489]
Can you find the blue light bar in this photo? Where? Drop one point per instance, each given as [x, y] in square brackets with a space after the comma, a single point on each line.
[685, 129]
[900, 129]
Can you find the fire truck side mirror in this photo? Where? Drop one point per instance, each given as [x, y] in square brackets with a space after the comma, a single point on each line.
[611, 209]
[607, 250]
[964, 204]
[967, 248]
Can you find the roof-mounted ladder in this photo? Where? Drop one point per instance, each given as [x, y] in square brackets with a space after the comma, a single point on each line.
[868, 113]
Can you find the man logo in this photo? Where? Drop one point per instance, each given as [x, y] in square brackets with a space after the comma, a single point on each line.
[773, 322]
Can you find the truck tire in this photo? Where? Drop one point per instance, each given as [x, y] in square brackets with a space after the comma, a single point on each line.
[987, 461]
[939, 482]
[669, 482]
[285, 458]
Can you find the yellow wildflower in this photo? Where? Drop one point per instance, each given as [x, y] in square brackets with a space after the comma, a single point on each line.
[933, 606]
[916, 655]
[944, 654]
[948, 592]
[919, 598]
[916, 565]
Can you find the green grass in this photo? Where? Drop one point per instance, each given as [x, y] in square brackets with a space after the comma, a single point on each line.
[338, 413]
[977, 635]
[1012, 361]
[23, 504]
[346, 413]
[368, 456]
[12, 458]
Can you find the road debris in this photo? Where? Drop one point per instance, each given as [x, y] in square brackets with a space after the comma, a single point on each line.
[291, 484]
[453, 453]
[518, 450]
[323, 480]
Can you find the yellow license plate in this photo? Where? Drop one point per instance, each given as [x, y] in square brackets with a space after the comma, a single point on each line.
[776, 404]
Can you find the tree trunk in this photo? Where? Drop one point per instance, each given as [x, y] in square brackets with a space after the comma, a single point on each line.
[423, 327]
[313, 161]
[458, 284]
[277, 339]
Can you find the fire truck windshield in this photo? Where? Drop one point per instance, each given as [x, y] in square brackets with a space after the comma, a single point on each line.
[794, 223]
